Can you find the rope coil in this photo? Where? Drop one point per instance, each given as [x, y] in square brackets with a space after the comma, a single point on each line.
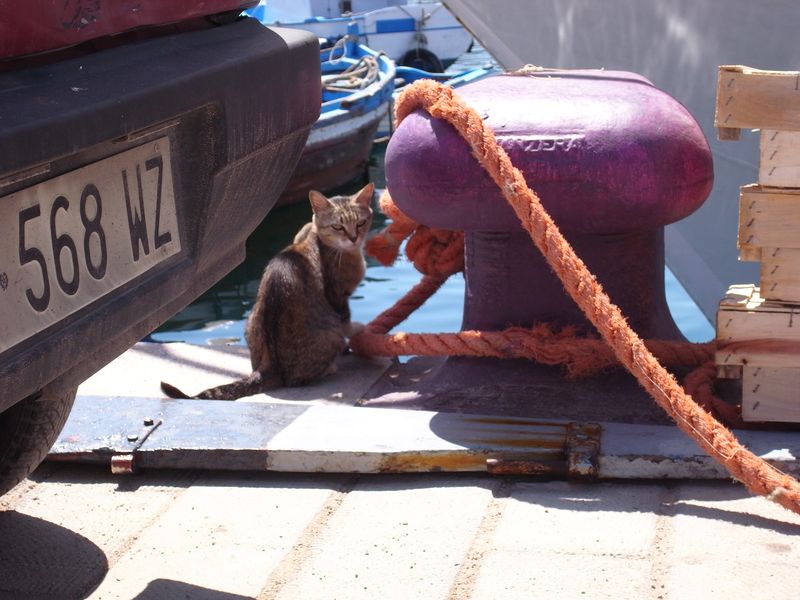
[619, 342]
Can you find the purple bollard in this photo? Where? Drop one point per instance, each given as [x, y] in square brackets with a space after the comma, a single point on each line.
[613, 160]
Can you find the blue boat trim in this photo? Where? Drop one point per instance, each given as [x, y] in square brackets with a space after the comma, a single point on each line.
[395, 25]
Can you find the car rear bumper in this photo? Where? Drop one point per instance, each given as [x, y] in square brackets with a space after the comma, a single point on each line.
[236, 103]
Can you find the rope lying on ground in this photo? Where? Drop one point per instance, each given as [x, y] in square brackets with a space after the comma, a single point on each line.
[632, 352]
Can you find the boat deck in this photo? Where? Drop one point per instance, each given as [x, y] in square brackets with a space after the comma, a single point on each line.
[75, 531]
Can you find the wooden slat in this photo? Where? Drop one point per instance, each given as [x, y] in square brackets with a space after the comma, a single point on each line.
[769, 217]
[771, 394]
[731, 356]
[754, 99]
[779, 158]
[749, 253]
[744, 316]
[780, 274]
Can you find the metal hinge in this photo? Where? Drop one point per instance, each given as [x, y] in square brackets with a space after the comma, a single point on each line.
[125, 464]
[581, 451]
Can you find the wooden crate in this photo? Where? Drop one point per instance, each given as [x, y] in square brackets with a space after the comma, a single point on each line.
[771, 394]
[769, 231]
[758, 340]
[754, 99]
[780, 274]
[758, 327]
[768, 218]
[756, 332]
[779, 158]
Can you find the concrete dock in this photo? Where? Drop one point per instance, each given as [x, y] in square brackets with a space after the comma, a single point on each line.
[77, 531]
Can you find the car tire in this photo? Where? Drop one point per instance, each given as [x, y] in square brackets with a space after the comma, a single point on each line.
[27, 432]
[422, 59]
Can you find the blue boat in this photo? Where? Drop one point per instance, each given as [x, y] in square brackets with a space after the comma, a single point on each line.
[416, 33]
[357, 88]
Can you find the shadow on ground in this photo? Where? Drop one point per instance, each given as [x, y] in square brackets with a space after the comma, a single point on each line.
[40, 560]
[163, 589]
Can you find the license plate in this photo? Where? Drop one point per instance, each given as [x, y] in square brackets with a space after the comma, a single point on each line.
[70, 240]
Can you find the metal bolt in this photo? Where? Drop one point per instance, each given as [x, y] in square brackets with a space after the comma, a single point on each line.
[132, 437]
[148, 422]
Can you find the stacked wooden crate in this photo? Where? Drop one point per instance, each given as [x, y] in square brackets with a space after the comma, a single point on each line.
[758, 327]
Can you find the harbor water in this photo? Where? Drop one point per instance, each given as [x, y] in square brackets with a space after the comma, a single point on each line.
[218, 316]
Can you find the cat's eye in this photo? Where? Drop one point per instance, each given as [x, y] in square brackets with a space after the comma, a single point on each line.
[361, 223]
[337, 227]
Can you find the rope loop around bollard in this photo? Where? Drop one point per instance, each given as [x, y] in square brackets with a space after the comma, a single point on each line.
[619, 342]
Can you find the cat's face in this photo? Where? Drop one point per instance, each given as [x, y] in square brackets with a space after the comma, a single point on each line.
[342, 222]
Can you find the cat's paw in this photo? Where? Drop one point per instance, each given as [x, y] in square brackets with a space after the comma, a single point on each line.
[353, 328]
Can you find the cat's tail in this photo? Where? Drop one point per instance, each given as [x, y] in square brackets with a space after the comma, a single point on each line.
[255, 383]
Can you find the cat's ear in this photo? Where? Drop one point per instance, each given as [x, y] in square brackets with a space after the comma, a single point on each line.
[364, 196]
[319, 203]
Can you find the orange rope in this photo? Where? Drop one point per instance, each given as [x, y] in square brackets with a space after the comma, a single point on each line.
[442, 102]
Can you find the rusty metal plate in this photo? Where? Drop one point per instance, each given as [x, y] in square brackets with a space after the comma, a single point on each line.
[314, 438]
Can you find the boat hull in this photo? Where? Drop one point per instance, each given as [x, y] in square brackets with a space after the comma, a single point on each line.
[336, 154]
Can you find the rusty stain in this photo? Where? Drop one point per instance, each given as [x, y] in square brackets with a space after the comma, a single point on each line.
[728, 101]
[755, 389]
[463, 460]
[501, 466]
[771, 156]
[583, 449]
[774, 269]
[420, 462]
[774, 135]
[755, 406]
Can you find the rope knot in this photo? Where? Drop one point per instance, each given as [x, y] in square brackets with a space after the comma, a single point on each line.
[432, 251]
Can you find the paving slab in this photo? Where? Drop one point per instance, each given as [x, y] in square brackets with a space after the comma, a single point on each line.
[193, 368]
[394, 539]
[224, 534]
[726, 543]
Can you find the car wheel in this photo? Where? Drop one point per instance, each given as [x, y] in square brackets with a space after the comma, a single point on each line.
[27, 432]
[422, 59]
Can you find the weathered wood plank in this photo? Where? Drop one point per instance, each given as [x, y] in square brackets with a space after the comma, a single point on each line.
[779, 158]
[780, 274]
[755, 331]
[769, 217]
[771, 394]
[731, 356]
[744, 315]
[754, 99]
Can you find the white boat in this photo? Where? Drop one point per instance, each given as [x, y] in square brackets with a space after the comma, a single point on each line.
[678, 45]
[420, 34]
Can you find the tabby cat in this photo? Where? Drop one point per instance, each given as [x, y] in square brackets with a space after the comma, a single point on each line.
[301, 317]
